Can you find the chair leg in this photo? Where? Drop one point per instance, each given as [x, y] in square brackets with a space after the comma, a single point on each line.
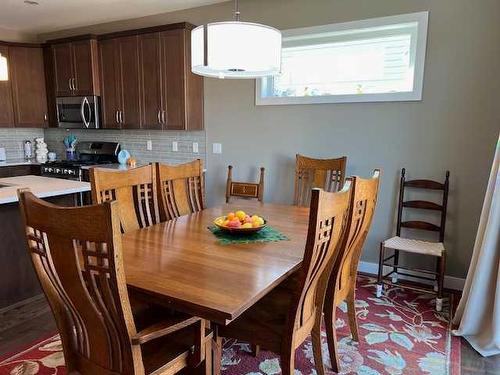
[331, 334]
[395, 268]
[442, 269]
[287, 359]
[316, 344]
[380, 285]
[351, 313]
[255, 350]
[217, 355]
[208, 358]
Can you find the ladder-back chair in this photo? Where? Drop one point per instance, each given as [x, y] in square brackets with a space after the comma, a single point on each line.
[244, 189]
[182, 189]
[327, 174]
[77, 256]
[342, 282]
[135, 190]
[284, 318]
[398, 243]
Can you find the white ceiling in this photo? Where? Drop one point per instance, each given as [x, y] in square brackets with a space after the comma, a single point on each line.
[52, 15]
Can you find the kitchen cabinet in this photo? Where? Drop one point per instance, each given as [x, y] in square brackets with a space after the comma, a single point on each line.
[75, 66]
[26, 72]
[121, 89]
[6, 105]
[19, 170]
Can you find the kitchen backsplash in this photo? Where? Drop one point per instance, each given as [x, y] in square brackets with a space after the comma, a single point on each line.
[12, 140]
[135, 141]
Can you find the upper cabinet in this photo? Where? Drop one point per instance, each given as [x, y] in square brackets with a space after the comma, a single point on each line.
[75, 68]
[23, 100]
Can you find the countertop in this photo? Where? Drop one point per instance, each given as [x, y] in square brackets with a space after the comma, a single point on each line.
[14, 162]
[42, 187]
[119, 167]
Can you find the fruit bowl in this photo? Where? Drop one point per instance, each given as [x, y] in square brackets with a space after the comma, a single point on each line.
[240, 223]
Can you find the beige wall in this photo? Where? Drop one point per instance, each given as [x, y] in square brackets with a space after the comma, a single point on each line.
[454, 127]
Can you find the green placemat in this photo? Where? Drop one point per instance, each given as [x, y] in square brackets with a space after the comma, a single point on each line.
[266, 234]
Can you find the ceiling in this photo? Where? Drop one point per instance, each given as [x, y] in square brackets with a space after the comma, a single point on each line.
[52, 15]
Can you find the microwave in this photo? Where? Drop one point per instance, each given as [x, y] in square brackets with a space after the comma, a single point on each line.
[78, 112]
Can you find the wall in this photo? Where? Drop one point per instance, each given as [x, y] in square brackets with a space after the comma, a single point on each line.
[454, 127]
[135, 143]
[12, 140]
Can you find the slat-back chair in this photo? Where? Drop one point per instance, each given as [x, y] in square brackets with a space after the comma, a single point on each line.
[244, 189]
[342, 282]
[77, 255]
[327, 174]
[414, 246]
[284, 318]
[135, 190]
[182, 189]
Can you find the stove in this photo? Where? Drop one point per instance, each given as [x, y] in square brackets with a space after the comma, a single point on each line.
[89, 154]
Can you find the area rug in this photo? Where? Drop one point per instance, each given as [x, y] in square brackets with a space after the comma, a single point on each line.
[400, 333]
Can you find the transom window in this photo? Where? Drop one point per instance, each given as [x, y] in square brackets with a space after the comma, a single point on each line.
[379, 59]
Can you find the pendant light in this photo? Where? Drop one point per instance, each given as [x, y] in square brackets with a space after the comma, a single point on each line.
[4, 69]
[235, 49]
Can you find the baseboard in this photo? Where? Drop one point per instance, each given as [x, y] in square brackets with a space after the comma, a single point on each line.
[450, 282]
[22, 303]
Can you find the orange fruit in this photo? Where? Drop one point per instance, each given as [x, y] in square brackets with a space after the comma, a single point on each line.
[230, 216]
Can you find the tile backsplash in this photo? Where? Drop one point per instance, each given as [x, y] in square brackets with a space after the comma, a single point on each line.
[135, 141]
[12, 140]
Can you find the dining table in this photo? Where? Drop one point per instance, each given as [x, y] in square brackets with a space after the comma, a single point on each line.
[181, 263]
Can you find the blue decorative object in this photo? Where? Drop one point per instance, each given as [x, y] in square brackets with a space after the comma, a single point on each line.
[123, 156]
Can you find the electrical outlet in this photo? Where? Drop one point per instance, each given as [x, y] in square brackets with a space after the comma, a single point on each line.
[149, 145]
[195, 147]
[217, 148]
[175, 146]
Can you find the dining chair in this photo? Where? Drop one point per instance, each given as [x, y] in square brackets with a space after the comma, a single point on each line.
[283, 319]
[87, 292]
[327, 174]
[181, 187]
[415, 246]
[342, 281]
[244, 189]
[135, 190]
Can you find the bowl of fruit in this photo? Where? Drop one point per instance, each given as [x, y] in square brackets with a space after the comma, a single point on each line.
[240, 223]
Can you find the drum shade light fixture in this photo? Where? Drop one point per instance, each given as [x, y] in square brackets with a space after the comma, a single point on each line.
[4, 69]
[235, 49]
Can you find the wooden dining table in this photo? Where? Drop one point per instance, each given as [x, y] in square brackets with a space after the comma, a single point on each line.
[182, 264]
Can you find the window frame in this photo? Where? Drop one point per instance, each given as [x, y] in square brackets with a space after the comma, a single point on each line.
[422, 19]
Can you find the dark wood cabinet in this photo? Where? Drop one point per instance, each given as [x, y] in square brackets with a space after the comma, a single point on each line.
[20, 170]
[29, 98]
[6, 105]
[121, 90]
[75, 68]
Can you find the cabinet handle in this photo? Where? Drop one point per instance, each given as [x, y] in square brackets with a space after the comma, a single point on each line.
[159, 116]
[116, 117]
[121, 117]
[74, 83]
[164, 117]
[69, 84]
[45, 117]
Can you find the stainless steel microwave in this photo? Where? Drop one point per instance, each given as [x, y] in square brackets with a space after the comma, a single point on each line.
[78, 112]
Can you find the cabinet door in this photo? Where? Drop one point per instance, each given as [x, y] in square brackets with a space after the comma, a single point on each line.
[110, 95]
[28, 87]
[129, 86]
[63, 68]
[84, 61]
[6, 107]
[174, 79]
[151, 80]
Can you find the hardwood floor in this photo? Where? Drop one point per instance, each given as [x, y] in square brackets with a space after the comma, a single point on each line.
[23, 325]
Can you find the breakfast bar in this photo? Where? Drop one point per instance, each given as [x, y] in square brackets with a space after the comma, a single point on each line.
[17, 277]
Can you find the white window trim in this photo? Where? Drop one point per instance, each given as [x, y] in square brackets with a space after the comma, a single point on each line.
[421, 18]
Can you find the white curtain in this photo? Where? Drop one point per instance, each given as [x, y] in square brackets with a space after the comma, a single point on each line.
[478, 314]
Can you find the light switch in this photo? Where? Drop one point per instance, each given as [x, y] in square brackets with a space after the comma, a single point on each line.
[195, 147]
[175, 147]
[217, 148]
[149, 145]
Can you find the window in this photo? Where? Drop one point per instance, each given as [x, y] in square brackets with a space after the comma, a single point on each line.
[374, 60]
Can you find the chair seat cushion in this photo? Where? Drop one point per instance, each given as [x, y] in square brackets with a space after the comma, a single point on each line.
[415, 246]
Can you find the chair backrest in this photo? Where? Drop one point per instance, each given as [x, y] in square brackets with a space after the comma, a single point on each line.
[423, 205]
[244, 189]
[326, 226]
[359, 218]
[77, 256]
[135, 190]
[327, 174]
[182, 189]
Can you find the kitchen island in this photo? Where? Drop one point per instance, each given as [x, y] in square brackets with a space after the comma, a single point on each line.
[18, 280]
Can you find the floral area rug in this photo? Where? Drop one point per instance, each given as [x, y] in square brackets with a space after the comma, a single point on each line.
[400, 333]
